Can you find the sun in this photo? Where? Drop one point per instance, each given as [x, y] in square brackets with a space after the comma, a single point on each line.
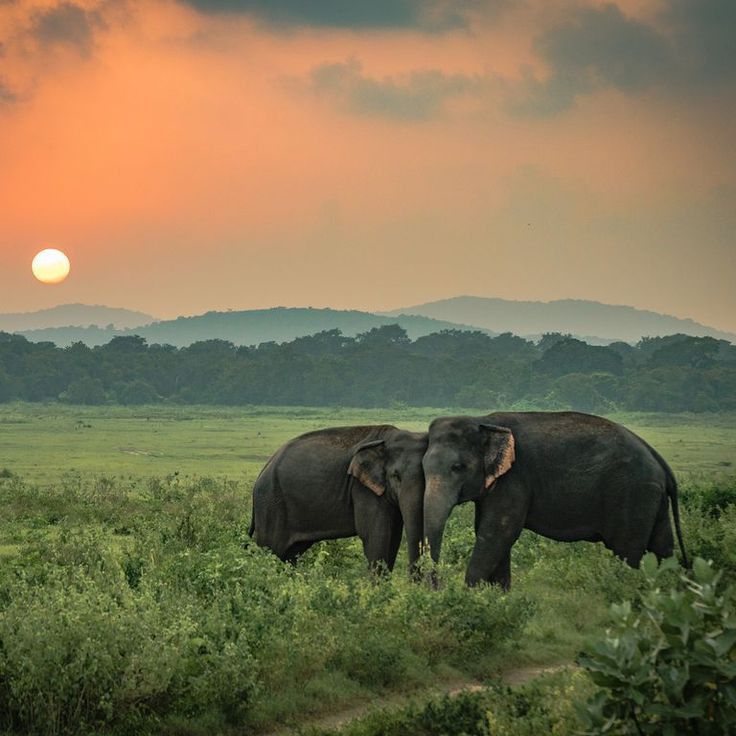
[50, 266]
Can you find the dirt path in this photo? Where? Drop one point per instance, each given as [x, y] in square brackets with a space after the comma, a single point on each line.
[516, 676]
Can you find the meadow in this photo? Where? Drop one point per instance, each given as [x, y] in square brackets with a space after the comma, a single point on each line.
[131, 600]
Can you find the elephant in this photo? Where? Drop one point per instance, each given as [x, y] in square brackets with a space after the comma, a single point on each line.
[565, 475]
[339, 482]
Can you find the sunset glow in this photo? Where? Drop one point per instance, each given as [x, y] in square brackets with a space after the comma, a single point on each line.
[483, 148]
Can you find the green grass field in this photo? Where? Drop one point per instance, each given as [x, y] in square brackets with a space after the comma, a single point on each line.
[131, 523]
[41, 441]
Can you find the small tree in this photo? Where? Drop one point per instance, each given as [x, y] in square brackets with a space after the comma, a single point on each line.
[668, 667]
[84, 390]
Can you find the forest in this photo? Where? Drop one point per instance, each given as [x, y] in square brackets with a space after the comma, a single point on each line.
[381, 367]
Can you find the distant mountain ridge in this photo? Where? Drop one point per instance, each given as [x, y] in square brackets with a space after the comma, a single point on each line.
[251, 327]
[594, 322]
[77, 315]
[582, 318]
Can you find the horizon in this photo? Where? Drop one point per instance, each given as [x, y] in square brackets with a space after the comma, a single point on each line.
[202, 155]
[379, 311]
[592, 322]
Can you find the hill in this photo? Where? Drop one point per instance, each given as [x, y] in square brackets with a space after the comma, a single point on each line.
[76, 315]
[251, 327]
[579, 317]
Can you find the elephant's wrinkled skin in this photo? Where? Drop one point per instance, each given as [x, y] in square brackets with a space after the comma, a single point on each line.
[340, 482]
[567, 476]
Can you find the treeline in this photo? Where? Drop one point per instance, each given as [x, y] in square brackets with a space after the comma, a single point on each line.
[381, 367]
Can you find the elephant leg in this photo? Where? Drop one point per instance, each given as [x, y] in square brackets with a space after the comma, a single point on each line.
[500, 517]
[397, 530]
[502, 574]
[379, 526]
[631, 525]
[292, 554]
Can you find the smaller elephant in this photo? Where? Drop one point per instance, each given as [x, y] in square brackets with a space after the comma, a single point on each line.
[341, 482]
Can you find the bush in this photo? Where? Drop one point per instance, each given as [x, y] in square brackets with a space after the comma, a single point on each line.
[86, 390]
[82, 649]
[74, 659]
[711, 500]
[668, 666]
[544, 705]
[712, 537]
[177, 622]
[162, 614]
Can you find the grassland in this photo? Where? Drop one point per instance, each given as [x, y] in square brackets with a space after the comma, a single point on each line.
[40, 442]
[133, 521]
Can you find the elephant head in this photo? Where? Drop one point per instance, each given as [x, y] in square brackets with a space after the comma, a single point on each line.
[392, 467]
[464, 459]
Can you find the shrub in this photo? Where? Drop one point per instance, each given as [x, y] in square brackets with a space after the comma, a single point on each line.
[72, 659]
[98, 654]
[667, 666]
[544, 705]
[711, 500]
[712, 537]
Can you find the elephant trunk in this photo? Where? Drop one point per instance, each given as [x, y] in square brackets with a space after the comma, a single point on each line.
[438, 504]
[411, 506]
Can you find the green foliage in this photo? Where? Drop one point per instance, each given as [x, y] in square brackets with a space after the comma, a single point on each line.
[114, 538]
[84, 390]
[668, 665]
[712, 499]
[575, 356]
[380, 367]
[542, 706]
[709, 518]
[134, 608]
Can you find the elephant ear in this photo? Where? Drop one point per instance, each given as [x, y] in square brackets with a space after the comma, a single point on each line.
[498, 452]
[369, 466]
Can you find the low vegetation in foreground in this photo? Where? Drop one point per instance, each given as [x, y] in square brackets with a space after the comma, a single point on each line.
[135, 603]
[667, 666]
[136, 609]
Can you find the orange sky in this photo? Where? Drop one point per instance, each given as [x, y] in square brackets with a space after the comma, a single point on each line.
[190, 158]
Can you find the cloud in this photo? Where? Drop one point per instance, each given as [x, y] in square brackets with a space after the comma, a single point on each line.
[419, 95]
[705, 36]
[691, 44]
[68, 25]
[432, 16]
[7, 96]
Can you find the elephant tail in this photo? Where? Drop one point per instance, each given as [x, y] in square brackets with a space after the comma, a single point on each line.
[252, 527]
[673, 495]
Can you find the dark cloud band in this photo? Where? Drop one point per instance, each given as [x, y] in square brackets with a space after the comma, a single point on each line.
[692, 46]
[425, 15]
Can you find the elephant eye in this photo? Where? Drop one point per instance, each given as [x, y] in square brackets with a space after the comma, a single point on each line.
[457, 467]
[396, 475]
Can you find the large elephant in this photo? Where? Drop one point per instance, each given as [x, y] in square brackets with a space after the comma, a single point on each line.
[567, 476]
[340, 482]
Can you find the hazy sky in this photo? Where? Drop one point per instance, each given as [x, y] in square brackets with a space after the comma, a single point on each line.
[210, 154]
